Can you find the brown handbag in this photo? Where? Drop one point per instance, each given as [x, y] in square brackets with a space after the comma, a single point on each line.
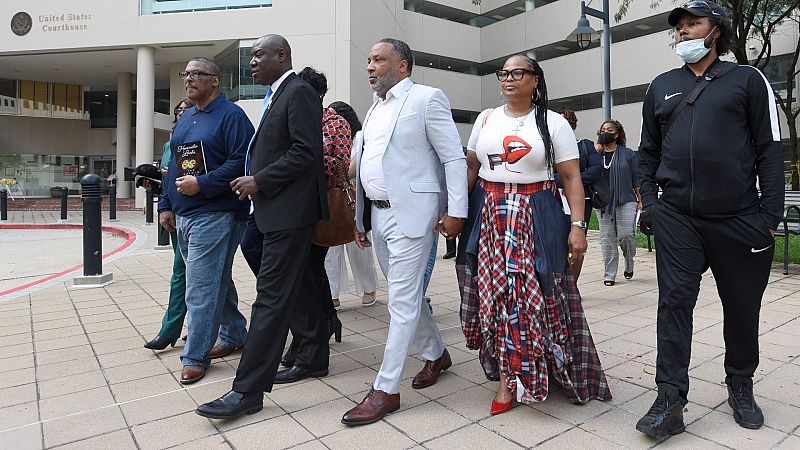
[339, 227]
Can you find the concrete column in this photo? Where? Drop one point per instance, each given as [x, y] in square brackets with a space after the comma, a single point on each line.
[177, 92]
[145, 106]
[124, 111]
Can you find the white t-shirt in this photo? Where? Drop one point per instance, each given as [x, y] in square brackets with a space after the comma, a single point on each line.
[511, 150]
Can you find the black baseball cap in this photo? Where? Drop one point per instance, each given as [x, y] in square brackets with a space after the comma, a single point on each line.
[699, 8]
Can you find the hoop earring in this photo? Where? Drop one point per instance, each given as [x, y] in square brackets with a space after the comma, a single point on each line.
[535, 97]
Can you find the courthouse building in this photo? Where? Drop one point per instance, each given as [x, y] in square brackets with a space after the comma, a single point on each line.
[89, 85]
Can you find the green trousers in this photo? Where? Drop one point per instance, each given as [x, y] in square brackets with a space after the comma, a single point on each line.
[172, 323]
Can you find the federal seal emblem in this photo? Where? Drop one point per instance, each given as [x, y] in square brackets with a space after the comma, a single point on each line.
[21, 23]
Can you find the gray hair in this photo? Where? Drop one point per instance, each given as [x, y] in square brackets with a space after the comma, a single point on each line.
[211, 66]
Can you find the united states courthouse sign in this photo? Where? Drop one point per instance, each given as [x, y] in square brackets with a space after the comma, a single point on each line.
[65, 22]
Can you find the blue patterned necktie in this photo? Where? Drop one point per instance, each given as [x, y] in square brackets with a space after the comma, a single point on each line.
[264, 105]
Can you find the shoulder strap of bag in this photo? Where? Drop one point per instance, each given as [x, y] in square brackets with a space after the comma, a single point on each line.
[585, 154]
[489, 112]
[719, 71]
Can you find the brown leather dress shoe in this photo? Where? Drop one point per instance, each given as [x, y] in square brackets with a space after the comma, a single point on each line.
[219, 351]
[192, 374]
[373, 408]
[430, 373]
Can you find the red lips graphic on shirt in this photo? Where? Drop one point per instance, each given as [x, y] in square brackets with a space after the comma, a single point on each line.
[515, 149]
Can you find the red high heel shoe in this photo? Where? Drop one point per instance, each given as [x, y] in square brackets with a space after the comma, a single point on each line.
[499, 408]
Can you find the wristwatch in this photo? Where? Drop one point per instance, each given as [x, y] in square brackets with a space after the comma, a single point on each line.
[580, 224]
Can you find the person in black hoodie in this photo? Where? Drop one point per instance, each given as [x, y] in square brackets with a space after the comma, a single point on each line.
[706, 160]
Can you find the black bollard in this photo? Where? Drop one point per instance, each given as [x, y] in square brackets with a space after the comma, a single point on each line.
[148, 205]
[64, 192]
[3, 204]
[92, 197]
[112, 200]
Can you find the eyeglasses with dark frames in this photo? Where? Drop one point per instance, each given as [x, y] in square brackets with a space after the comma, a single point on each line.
[195, 75]
[516, 74]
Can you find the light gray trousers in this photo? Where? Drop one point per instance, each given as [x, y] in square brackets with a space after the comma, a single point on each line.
[403, 261]
[621, 229]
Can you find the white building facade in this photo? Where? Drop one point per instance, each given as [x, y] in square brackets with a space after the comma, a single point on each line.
[88, 85]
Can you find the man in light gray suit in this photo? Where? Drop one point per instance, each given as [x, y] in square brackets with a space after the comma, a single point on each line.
[411, 182]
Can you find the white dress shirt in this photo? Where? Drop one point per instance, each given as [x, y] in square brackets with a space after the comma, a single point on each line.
[376, 130]
[274, 86]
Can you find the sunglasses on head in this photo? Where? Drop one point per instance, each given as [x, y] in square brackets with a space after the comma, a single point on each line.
[700, 4]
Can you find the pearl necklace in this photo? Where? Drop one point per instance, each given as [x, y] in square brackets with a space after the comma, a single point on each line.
[608, 166]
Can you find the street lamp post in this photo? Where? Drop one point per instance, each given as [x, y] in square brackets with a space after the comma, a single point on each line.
[584, 34]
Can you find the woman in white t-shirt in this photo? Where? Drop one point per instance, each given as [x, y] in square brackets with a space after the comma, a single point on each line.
[522, 308]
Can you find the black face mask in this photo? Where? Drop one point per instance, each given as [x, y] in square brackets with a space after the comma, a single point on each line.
[606, 138]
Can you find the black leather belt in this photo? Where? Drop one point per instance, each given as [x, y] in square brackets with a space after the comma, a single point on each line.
[381, 204]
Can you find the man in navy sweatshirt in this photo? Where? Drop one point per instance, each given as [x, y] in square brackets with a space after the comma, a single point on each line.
[208, 150]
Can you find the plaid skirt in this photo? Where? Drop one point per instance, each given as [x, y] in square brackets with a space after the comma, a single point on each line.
[522, 329]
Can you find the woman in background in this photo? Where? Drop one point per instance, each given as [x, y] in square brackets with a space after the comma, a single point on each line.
[172, 323]
[618, 218]
[362, 262]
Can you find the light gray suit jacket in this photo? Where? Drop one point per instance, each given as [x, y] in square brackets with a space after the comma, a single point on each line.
[424, 164]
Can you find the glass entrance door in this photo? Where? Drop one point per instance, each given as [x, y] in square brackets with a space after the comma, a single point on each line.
[104, 168]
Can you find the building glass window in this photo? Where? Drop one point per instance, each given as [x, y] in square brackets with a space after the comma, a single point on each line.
[33, 97]
[41, 99]
[776, 70]
[620, 33]
[8, 96]
[43, 175]
[511, 9]
[236, 80]
[179, 6]
[74, 101]
[102, 108]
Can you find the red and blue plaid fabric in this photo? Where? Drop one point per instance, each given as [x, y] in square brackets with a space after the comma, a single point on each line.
[527, 331]
[470, 306]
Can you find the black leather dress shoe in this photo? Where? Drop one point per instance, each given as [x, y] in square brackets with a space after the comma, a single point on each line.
[288, 358]
[232, 405]
[296, 374]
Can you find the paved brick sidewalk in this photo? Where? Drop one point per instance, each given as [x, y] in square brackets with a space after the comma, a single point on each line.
[75, 374]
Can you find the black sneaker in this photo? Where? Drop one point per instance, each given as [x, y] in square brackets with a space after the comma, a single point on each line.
[665, 416]
[740, 398]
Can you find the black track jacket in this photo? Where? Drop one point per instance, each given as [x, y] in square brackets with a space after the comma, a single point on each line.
[707, 162]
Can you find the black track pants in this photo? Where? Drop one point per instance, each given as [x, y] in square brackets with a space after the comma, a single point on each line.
[739, 252]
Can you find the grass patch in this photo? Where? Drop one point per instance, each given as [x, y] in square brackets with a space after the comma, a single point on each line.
[794, 242]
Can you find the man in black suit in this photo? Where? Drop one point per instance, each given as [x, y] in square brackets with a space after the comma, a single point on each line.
[287, 186]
